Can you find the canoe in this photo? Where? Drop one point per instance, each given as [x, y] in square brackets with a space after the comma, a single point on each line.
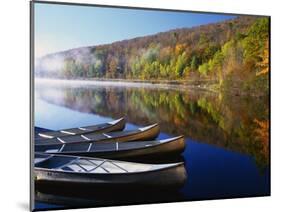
[64, 169]
[111, 126]
[114, 150]
[143, 133]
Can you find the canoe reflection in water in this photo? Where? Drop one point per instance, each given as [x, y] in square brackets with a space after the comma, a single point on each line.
[87, 196]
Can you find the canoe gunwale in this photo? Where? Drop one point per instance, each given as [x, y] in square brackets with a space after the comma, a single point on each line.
[149, 128]
[159, 145]
[171, 166]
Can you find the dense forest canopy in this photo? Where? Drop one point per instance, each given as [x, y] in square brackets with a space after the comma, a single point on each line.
[233, 53]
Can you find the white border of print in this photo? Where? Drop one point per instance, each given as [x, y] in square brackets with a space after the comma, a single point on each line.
[15, 103]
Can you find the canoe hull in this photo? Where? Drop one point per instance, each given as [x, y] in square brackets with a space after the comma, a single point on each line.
[148, 133]
[174, 177]
[167, 149]
[119, 126]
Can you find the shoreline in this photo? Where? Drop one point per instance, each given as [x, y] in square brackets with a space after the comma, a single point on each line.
[165, 84]
[210, 86]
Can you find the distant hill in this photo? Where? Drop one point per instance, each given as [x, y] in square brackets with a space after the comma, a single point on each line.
[234, 51]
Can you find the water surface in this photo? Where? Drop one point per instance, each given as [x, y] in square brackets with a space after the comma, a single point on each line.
[227, 152]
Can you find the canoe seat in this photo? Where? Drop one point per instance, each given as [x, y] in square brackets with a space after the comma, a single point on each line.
[54, 162]
[52, 151]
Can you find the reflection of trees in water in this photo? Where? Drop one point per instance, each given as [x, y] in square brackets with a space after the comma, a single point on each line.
[236, 123]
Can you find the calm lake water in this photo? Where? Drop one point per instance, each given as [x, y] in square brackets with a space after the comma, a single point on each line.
[227, 153]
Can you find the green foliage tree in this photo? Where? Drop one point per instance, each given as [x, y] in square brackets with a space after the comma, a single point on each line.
[180, 65]
[254, 43]
[194, 63]
[203, 69]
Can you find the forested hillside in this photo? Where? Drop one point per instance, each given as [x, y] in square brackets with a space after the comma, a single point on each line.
[233, 54]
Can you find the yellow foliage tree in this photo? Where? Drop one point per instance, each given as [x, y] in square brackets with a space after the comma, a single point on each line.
[179, 48]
